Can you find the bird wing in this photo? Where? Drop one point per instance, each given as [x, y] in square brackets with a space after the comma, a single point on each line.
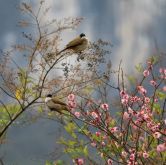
[56, 101]
[75, 42]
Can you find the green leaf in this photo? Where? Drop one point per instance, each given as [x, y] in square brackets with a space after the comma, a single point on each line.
[161, 95]
[131, 79]
[59, 162]
[70, 127]
[139, 67]
[85, 151]
[49, 163]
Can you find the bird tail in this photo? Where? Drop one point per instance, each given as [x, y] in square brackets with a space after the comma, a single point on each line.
[62, 50]
[66, 108]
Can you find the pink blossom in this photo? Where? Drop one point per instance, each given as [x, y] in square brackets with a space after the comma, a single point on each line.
[146, 73]
[153, 83]
[132, 157]
[94, 115]
[124, 102]
[150, 124]
[71, 97]
[105, 137]
[145, 155]
[163, 73]
[146, 117]
[164, 88]
[125, 99]
[157, 135]
[134, 126]
[93, 144]
[104, 106]
[130, 111]
[77, 114]
[122, 93]
[114, 129]
[147, 100]
[141, 90]
[98, 133]
[126, 116]
[103, 143]
[109, 162]
[124, 154]
[161, 147]
[135, 99]
[80, 161]
[161, 70]
[72, 104]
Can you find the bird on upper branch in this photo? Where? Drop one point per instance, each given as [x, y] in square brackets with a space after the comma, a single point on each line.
[77, 45]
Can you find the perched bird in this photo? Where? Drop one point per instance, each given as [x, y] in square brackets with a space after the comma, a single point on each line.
[78, 44]
[55, 105]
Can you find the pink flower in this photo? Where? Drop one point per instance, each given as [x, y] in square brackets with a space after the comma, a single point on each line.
[109, 162]
[72, 104]
[80, 161]
[105, 137]
[146, 73]
[71, 97]
[125, 99]
[141, 90]
[161, 147]
[122, 93]
[124, 102]
[114, 129]
[103, 143]
[146, 117]
[164, 88]
[161, 70]
[153, 83]
[130, 111]
[124, 154]
[77, 114]
[134, 99]
[94, 115]
[147, 100]
[163, 73]
[126, 116]
[132, 157]
[157, 135]
[145, 155]
[104, 106]
[98, 133]
[93, 144]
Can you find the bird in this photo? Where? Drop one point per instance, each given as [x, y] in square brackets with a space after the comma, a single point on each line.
[77, 45]
[55, 105]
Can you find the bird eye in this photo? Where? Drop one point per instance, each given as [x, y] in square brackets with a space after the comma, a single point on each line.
[82, 35]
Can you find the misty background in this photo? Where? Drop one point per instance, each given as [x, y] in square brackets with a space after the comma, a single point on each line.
[136, 28]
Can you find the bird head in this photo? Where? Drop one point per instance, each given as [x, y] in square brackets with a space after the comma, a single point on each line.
[82, 35]
[49, 95]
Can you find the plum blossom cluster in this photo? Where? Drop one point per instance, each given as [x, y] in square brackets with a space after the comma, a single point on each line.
[162, 73]
[130, 138]
[78, 161]
[72, 102]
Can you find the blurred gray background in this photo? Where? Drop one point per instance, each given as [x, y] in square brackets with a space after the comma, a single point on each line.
[136, 29]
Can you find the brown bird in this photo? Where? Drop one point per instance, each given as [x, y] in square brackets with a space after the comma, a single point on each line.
[78, 44]
[55, 105]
